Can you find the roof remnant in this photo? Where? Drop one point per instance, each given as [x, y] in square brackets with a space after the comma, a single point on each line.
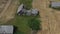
[28, 12]
[35, 12]
[20, 8]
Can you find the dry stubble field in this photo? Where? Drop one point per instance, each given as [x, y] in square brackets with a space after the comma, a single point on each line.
[50, 18]
[8, 9]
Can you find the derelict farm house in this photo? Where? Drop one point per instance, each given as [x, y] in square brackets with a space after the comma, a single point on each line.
[23, 11]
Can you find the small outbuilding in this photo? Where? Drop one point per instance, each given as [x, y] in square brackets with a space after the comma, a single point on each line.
[55, 4]
[6, 29]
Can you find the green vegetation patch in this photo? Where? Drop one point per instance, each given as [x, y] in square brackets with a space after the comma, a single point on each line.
[34, 24]
[27, 3]
[21, 22]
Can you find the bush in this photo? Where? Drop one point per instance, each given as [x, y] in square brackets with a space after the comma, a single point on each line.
[34, 24]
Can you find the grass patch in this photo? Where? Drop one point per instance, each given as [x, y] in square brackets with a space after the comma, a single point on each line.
[21, 22]
[27, 3]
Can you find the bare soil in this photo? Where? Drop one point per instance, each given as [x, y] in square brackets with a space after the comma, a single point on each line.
[50, 17]
[9, 10]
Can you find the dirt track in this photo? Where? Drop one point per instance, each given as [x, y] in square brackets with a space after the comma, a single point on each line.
[50, 18]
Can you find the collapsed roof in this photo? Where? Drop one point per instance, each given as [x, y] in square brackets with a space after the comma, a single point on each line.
[22, 11]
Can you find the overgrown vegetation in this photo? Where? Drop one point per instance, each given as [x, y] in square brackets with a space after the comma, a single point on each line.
[21, 22]
[27, 3]
[34, 24]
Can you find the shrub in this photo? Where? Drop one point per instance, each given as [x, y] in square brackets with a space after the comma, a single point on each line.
[34, 24]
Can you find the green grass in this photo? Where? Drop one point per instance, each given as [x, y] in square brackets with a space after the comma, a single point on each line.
[21, 22]
[27, 3]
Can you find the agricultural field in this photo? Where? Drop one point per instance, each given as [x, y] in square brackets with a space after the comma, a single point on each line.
[50, 17]
[3, 4]
[8, 10]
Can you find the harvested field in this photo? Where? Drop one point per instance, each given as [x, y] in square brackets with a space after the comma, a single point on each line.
[8, 10]
[2, 4]
[49, 17]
